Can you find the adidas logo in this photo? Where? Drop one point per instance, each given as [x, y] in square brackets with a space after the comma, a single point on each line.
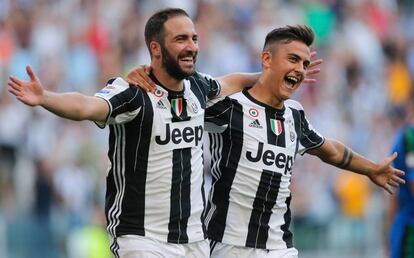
[255, 124]
[160, 105]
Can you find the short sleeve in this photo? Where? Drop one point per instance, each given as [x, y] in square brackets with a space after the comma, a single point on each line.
[124, 101]
[210, 86]
[308, 137]
[217, 116]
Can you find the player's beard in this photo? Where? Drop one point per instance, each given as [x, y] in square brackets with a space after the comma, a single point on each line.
[172, 66]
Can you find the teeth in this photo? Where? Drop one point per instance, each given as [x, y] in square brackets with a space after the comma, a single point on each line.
[293, 78]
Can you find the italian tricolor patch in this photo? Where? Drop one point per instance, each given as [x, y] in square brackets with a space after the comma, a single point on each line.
[177, 106]
[276, 126]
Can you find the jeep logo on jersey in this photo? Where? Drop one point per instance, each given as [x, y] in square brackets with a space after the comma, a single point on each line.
[270, 158]
[181, 135]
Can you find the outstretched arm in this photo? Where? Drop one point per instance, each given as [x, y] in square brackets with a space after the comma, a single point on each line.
[71, 105]
[341, 156]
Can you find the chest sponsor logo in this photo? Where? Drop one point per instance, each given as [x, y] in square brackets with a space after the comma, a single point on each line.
[279, 161]
[180, 135]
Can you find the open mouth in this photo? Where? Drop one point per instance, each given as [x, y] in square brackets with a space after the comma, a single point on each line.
[188, 59]
[291, 81]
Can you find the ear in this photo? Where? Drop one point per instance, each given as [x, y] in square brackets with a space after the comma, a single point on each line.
[155, 49]
[266, 59]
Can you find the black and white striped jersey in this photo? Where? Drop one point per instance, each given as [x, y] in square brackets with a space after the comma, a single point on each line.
[155, 180]
[253, 147]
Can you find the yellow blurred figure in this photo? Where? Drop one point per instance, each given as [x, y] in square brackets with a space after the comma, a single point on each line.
[399, 84]
[353, 192]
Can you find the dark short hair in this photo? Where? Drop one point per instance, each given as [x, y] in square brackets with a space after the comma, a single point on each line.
[154, 28]
[290, 33]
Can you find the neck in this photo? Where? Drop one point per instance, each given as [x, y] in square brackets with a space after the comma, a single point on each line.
[166, 80]
[262, 92]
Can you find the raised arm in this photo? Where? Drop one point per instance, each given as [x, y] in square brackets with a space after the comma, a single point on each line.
[71, 105]
[341, 156]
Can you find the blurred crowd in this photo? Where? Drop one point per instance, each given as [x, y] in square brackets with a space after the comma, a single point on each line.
[52, 171]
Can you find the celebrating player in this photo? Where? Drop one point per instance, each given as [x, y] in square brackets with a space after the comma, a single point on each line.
[255, 137]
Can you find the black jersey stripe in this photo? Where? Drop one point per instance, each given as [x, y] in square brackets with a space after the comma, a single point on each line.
[265, 200]
[203, 214]
[287, 234]
[231, 150]
[298, 126]
[111, 185]
[119, 179]
[198, 92]
[116, 183]
[180, 196]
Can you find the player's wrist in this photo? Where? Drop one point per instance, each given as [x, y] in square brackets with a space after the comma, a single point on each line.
[44, 97]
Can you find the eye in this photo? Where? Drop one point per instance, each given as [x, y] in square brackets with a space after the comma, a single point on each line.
[195, 39]
[306, 65]
[293, 59]
[180, 39]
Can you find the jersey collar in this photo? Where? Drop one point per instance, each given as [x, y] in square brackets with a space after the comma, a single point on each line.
[267, 107]
[185, 92]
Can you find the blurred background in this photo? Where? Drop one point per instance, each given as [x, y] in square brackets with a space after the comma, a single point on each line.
[52, 171]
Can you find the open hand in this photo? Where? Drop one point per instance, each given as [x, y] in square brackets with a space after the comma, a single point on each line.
[29, 92]
[312, 70]
[387, 176]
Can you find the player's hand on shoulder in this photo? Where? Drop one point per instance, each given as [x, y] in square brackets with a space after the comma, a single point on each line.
[29, 92]
[139, 76]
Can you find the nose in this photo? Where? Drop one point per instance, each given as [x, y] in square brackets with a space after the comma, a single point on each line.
[300, 69]
[192, 45]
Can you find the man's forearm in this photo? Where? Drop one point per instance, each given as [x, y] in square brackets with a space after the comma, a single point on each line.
[236, 82]
[341, 156]
[73, 105]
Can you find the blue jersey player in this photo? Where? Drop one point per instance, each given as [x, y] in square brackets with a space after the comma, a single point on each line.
[402, 208]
